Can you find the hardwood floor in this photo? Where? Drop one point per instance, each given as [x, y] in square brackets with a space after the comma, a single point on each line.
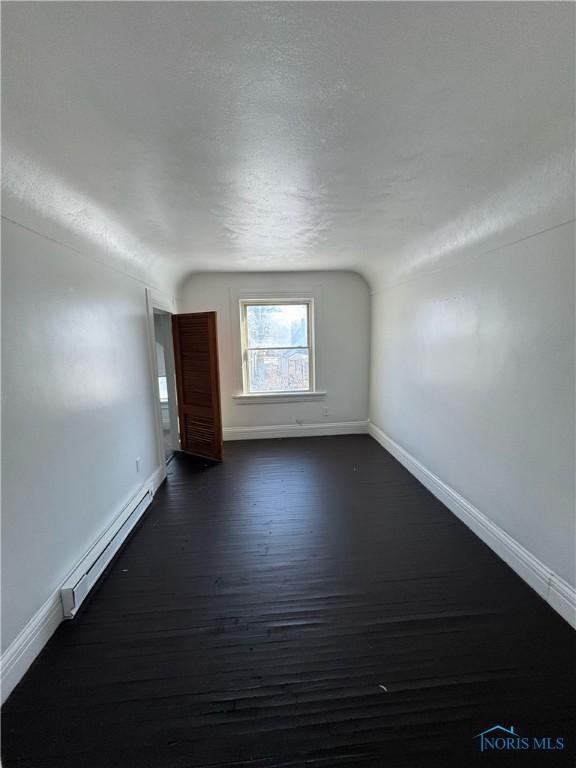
[305, 603]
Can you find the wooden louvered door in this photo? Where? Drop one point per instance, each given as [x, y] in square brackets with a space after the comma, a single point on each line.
[198, 384]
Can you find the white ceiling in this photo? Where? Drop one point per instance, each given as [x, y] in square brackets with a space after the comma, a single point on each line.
[177, 137]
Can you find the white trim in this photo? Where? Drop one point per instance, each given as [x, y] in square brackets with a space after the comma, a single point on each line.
[162, 301]
[296, 430]
[27, 645]
[22, 651]
[277, 397]
[548, 584]
[153, 366]
[237, 296]
[310, 336]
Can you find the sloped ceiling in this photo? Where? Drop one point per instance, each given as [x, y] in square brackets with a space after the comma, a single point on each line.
[380, 137]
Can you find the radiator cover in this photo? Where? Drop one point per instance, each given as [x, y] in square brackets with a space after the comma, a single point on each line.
[78, 585]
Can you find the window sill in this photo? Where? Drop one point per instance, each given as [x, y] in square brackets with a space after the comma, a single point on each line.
[279, 397]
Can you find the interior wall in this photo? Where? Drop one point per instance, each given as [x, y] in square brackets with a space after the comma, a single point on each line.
[78, 403]
[473, 374]
[342, 319]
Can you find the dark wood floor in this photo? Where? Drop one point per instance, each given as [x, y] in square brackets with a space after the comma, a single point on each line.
[306, 603]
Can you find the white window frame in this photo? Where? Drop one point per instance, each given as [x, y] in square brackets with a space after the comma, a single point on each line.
[244, 304]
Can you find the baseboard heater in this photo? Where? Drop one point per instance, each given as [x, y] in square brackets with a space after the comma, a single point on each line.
[84, 577]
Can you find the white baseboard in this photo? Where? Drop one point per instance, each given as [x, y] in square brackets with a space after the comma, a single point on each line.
[554, 589]
[296, 430]
[22, 651]
[157, 478]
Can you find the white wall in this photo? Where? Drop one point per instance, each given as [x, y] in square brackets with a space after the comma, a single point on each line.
[473, 374]
[342, 311]
[77, 412]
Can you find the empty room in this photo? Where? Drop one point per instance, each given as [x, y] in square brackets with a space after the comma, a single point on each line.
[288, 385]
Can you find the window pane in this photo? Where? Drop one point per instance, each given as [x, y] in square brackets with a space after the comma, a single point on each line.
[163, 389]
[278, 370]
[277, 325]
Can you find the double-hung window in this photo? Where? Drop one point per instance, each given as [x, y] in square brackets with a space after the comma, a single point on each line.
[277, 346]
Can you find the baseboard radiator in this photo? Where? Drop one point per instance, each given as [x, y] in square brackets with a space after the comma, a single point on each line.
[78, 585]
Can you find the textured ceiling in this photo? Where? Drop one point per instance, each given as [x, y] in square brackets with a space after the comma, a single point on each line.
[380, 137]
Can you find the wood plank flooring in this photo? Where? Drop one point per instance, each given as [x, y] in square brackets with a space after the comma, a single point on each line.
[305, 603]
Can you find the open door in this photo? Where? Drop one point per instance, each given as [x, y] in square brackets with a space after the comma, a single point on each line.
[198, 384]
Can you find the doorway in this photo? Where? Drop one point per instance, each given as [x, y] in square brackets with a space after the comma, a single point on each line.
[166, 385]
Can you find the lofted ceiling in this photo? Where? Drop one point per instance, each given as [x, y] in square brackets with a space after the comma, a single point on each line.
[380, 137]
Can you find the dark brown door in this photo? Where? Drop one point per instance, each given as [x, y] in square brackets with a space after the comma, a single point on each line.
[198, 384]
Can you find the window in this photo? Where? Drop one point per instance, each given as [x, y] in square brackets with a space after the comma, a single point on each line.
[277, 354]
[163, 389]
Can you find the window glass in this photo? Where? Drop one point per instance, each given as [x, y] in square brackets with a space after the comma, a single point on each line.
[276, 354]
[277, 325]
[278, 370]
[163, 389]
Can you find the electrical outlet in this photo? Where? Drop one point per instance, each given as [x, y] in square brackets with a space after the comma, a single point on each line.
[324, 411]
[138, 464]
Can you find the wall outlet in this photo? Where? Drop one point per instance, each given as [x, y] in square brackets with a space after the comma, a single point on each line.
[138, 464]
[324, 411]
